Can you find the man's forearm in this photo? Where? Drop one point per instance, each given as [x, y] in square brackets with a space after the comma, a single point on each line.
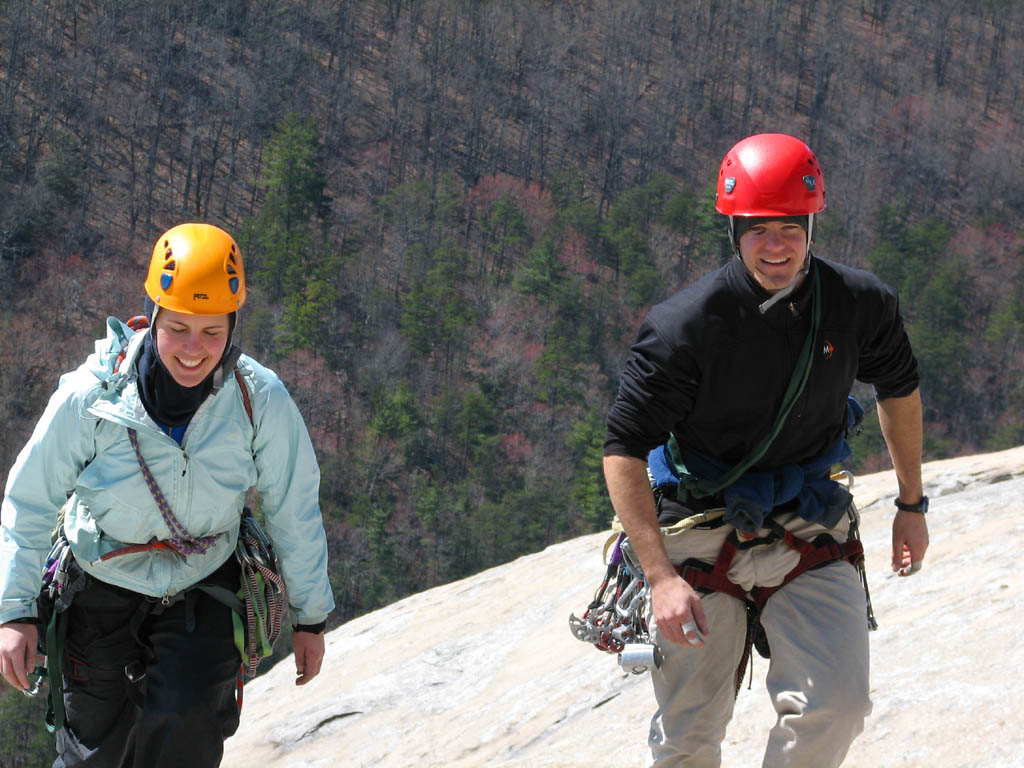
[900, 420]
[631, 496]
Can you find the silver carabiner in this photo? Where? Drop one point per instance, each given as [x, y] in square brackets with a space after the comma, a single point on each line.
[627, 602]
[40, 680]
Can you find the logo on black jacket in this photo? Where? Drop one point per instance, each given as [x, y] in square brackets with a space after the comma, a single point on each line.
[827, 349]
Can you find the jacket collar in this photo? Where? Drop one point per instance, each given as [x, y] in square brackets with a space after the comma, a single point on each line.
[752, 295]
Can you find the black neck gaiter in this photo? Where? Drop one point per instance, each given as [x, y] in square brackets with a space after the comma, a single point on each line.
[166, 400]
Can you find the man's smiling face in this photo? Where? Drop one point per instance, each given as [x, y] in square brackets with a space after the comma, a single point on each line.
[774, 251]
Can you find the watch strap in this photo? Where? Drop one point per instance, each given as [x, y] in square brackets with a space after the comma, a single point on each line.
[920, 507]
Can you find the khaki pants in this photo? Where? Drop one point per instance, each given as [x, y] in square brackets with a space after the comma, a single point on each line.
[818, 674]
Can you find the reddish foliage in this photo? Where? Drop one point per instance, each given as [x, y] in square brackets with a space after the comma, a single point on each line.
[530, 351]
[904, 120]
[532, 199]
[993, 254]
[576, 257]
[517, 447]
[323, 396]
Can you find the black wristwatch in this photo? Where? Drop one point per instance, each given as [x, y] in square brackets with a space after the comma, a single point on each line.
[921, 507]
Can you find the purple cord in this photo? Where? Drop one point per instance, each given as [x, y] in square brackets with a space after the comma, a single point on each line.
[181, 540]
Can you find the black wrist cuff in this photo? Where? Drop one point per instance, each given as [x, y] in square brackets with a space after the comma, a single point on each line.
[313, 629]
[920, 507]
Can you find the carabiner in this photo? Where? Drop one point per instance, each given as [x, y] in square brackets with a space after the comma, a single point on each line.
[40, 680]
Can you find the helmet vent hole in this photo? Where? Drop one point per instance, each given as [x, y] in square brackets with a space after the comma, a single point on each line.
[233, 284]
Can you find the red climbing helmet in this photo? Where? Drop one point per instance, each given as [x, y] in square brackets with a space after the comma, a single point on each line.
[770, 174]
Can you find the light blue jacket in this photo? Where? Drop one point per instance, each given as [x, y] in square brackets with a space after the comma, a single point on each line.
[80, 448]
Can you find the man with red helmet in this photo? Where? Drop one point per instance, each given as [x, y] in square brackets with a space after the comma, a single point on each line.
[738, 386]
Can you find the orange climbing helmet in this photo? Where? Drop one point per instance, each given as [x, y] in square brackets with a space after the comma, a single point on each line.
[196, 269]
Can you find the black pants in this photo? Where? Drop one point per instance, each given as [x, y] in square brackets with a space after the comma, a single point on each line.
[148, 685]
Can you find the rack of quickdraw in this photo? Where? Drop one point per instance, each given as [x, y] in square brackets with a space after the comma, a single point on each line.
[55, 580]
[263, 593]
[616, 619]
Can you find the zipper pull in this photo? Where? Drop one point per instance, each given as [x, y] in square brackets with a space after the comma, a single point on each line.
[184, 469]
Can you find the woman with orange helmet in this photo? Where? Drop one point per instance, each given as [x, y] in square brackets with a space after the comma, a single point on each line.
[150, 448]
[735, 395]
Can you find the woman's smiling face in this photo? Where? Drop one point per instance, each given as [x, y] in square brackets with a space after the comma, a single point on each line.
[190, 346]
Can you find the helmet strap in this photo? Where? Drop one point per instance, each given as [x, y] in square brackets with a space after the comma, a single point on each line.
[764, 306]
[231, 355]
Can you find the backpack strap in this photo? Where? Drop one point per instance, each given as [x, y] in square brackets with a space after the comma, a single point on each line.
[244, 389]
[135, 324]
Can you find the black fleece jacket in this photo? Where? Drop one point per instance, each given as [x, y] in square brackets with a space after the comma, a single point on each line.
[709, 367]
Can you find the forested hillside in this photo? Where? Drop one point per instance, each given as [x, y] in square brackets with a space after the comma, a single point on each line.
[455, 213]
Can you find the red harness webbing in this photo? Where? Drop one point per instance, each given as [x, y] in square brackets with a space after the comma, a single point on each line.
[131, 549]
[813, 554]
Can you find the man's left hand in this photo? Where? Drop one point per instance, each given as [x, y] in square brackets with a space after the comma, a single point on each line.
[309, 655]
[909, 542]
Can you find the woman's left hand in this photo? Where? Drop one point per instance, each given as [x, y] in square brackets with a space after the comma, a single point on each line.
[309, 655]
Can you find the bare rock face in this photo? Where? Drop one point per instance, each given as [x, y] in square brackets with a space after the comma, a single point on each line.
[484, 671]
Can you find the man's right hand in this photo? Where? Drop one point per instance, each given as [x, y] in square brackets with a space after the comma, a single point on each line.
[677, 608]
[679, 612]
[18, 653]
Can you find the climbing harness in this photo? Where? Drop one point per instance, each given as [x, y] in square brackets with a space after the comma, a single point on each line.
[818, 552]
[615, 621]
